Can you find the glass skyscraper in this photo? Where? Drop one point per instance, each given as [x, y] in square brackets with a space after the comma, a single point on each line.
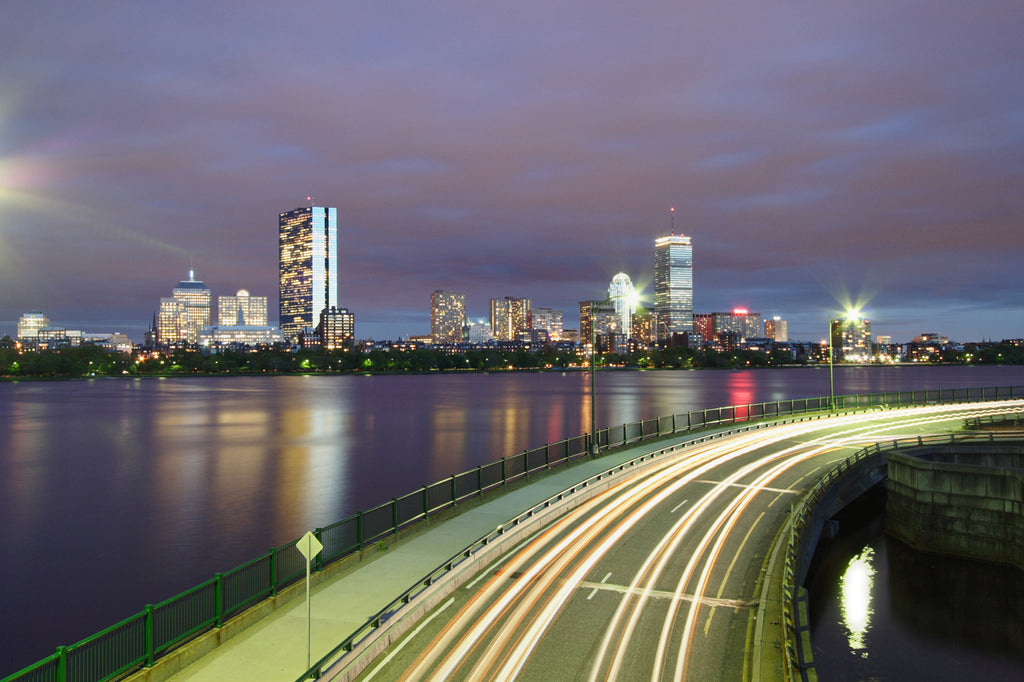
[308, 267]
[673, 285]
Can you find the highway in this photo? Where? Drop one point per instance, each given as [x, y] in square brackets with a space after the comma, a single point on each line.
[658, 577]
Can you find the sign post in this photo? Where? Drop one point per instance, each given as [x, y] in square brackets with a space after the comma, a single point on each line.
[310, 547]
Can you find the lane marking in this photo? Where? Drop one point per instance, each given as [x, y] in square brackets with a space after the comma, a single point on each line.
[751, 487]
[728, 571]
[408, 639]
[678, 506]
[664, 594]
[594, 591]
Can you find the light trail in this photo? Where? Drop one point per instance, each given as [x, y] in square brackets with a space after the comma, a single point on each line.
[496, 632]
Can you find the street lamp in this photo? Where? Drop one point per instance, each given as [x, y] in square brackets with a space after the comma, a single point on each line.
[848, 316]
[593, 380]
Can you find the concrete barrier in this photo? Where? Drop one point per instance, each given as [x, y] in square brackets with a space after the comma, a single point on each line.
[960, 500]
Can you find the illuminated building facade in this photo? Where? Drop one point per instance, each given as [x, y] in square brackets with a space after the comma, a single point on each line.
[241, 310]
[185, 313]
[337, 328]
[704, 326]
[645, 326]
[509, 317]
[239, 335]
[623, 297]
[856, 339]
[741, 322]
[447, 317]
[598, 320]
[308, 240]
[673, 285]
[549, 320]
[30, 323]
[776, 329]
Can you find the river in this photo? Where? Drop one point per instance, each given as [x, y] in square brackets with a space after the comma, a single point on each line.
[115, 493]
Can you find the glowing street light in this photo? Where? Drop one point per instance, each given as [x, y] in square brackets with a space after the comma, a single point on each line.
[848, 316]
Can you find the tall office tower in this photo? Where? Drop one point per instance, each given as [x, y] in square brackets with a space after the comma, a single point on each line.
[776, 329]
[447, 316]
[624, 298]
[308, 267]
[509, 317]
[549, 320]
[242, 310]
[30, 323]
[186, 312]
[673, 285]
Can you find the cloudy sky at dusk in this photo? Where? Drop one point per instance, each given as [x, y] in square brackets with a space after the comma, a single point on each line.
[816, 152]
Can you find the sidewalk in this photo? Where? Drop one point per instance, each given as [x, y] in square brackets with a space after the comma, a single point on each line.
[274, 647]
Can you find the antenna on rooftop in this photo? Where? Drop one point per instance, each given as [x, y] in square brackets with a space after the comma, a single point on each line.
[672, 219]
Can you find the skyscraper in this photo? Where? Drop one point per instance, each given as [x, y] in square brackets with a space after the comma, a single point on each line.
[308, 267]
[673, 285]
[623, 297]
[509, 316]
[186, 312]
[447, 316]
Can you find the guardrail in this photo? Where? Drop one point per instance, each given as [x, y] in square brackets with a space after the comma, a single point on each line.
[1015, 420]
[803, 512]
[142, 638]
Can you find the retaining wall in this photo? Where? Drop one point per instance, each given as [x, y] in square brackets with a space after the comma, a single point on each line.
[959, 500]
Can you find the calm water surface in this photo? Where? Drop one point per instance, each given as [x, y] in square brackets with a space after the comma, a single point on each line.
[117, 493]
[881, 611]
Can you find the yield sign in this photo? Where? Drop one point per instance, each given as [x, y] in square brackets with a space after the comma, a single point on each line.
[309, 545]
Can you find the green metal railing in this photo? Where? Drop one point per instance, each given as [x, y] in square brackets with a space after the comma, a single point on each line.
[142, 638]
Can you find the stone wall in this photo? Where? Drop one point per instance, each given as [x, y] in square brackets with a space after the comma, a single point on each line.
[959, 500]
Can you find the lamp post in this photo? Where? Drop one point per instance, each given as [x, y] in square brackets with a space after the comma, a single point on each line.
[848, 316]
[593, 379]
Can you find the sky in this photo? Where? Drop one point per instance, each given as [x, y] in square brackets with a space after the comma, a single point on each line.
[819, 154]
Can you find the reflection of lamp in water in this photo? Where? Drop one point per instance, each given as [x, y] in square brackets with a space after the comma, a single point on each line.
[855, 597]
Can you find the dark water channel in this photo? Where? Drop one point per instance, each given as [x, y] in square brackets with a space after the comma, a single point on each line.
[882, 611]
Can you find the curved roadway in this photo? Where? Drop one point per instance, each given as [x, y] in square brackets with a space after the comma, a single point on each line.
[659, 577]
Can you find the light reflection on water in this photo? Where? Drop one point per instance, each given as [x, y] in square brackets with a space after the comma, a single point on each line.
[855, 587]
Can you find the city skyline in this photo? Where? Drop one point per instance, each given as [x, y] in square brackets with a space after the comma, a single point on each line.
[818, 155]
